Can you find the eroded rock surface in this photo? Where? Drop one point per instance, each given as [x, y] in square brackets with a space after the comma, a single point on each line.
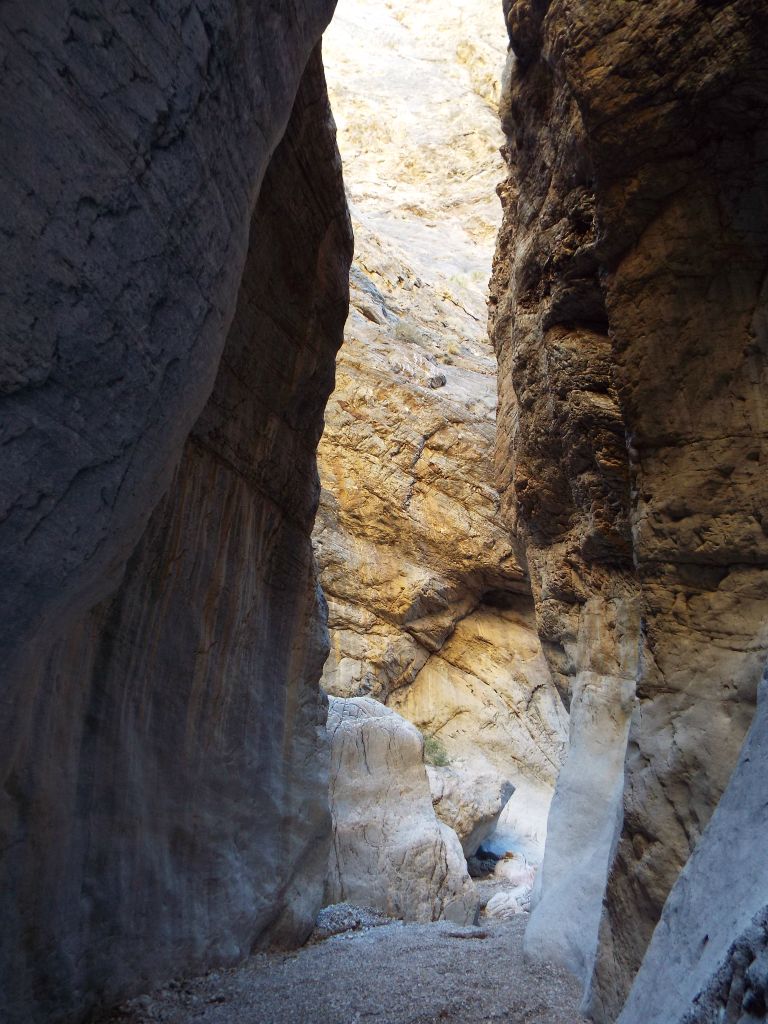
[468, 802]
[165, 776]
[427, 595]
[487, 695]
[389, 850]
[629, 318]
[708, 960]
[407, 536]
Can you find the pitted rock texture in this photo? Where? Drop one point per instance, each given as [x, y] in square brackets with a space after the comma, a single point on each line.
[708, 960]
[628, 312]
[389, 850]
[165, 793]
[417, 566]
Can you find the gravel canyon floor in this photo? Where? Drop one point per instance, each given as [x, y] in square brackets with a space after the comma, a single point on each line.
[398, 974]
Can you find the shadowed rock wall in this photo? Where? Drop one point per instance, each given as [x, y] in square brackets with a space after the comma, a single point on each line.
[707, 960]
[165, 790]
[629, 317]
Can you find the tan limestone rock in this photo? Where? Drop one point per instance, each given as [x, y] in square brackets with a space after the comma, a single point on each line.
[415, 563]
[408, 536]
[389, 850]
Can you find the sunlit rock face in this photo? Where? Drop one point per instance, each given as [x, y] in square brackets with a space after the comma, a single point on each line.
[389, 849]
[165, 763]
[629, 318]
[428, 599]
[487, 695]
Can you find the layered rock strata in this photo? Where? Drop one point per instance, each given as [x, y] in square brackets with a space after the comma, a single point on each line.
[389, 849]
[427, 594]
[165, 777]
[408, 538]
[629, 319]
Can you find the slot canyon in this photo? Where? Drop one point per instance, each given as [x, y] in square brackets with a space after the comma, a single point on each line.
[383, 537]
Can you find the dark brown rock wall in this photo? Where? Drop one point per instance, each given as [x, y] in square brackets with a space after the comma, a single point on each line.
[166, 790]
[630, 323]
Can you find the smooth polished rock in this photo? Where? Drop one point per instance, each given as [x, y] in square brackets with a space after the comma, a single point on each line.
[488, 697]
[469, 803]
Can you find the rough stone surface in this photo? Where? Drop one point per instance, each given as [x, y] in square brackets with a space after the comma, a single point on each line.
[708, 960]
[629, 317]
[346, 917]
[401, 974]
[389, 850]
[422, 577]
[407, 535]
[469, 803]
[506, 905]
[165, 776]
[135, 144]
[487, 695]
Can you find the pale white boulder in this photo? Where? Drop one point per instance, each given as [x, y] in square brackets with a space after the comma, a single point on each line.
[389, 849]
[584, 823]
[469, 803]
[508, 904]
[516, 870]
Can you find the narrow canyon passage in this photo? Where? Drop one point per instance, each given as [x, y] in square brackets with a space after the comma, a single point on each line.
[430, 609]
[431, 617]
[392, 974]
[430, 612]
[377, 643]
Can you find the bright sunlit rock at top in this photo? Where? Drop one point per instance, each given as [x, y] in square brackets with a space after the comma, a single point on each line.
[414, 86]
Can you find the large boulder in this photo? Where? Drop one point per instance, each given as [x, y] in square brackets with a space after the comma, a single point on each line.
[469, 803]
[389, 850]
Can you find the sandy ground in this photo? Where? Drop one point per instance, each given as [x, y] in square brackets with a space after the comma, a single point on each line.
[395, 974]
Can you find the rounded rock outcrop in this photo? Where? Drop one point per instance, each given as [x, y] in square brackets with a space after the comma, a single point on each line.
[389, 850]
